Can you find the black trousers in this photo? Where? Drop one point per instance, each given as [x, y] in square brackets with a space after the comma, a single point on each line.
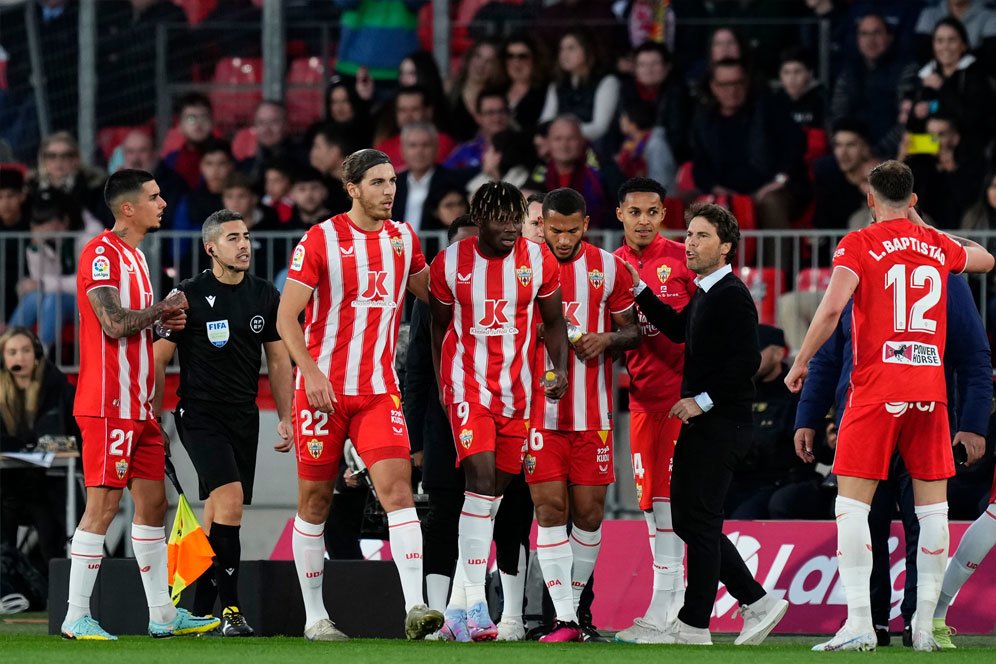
[709, 448]
[897, 490]
[440, 531]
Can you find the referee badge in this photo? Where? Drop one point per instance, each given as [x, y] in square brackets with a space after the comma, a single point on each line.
[256, 324]
[217, 331]
[315, 447]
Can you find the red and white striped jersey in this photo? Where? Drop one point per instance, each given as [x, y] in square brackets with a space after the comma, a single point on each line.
[117, 379]
[359, 279]
[594, 285]
[489, 348]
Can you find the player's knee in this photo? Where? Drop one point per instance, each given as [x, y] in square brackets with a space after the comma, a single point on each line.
[552, 513]
[589, 518]
[396, 496]
[314, 507]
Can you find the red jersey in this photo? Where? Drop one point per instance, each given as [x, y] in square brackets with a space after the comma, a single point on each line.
[655, 366]
[900, 310]
[117, 379]
[594, 285]
[490, 345]
[359, 280]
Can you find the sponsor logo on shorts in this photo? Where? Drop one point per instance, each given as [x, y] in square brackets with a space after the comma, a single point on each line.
[397, 421]
[217, 331]
[530, 464]
[398, 245]
[256, 324]
[602, 457]
[639, 492]
[315, 447]
[912, 353]
[596, 277]
[899, 408]
[121, 468]
[663, 272]
[524, 274]
[101, 268]
[466, 438]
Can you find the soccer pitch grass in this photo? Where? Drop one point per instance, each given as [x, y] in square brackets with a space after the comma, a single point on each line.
[28, 642]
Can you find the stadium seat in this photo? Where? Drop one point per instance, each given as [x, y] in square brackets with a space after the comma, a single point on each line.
[813, 279]
[244, 143]
[765, 285]
[674, 213]
[196, 10]
[109, 138]
[306, 82]
[172, 142]
[236, 91]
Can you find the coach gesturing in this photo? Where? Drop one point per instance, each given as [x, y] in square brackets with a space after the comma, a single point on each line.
[719, 330]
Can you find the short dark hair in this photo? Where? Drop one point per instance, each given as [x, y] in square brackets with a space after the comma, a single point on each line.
[126, 182]
[11, 178]
[726, 62]
[946, 116]
[893, 181]
[306, 174]
[564, 201]
[654, 47]
[639, 113]
[852, 125]
[414, 90]
[333, 136]
[495, 201]
[238, 180]
[796, 54]
[640, 185]
[213, 145]
[537, 197]
[356, 165]
[49, 204]
[212, 225]
[726, 224]
[283, 166]
[196, 99]
[490, 93]
[463, 221]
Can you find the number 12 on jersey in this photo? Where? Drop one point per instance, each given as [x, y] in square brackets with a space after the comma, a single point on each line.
[915, 318]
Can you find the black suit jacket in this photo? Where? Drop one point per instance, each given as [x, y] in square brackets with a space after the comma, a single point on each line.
[719, 330]
[442, 180]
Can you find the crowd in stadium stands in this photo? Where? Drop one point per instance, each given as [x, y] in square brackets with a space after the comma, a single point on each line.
[542, 95]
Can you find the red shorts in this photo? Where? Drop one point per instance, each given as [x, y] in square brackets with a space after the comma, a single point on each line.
[115, 451]
[576, 457]
[868, 436]
[476, 429]
[651, 442]
[374, 423]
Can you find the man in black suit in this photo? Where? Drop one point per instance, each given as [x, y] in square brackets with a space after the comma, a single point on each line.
[423, 183]
[719, 330]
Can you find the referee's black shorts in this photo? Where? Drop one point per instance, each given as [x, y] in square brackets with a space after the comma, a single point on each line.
[221, 440]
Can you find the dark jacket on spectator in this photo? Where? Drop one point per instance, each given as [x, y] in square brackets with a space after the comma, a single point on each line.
[967, 95]
[672, 109]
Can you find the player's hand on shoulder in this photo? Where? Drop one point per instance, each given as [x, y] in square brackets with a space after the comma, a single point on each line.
[632, 272]
[285, 430]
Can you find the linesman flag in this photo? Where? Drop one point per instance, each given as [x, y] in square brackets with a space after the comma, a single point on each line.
[190, 553]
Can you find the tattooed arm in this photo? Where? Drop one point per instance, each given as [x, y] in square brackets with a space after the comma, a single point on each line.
[118, 322]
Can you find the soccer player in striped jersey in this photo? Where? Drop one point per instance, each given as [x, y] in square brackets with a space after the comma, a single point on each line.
[569, 458]
[485, 293]
[349, 275]
[122, 442]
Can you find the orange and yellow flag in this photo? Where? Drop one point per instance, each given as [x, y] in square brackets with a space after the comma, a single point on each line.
[190, 553]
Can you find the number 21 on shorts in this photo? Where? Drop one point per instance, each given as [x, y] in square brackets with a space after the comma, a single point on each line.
[119, 438]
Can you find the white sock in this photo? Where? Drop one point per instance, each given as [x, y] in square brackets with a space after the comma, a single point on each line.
[931, 558]
[406, 549]
[476, 530]
[436, 588]
[584, 548]
[149, 544]
[86, 554]
[854, 561]
[669, 570]
[651, 529]
[553, 550]
[458, 592]
[308, 544]
[513, 588]
[495, 506]
[975, 545]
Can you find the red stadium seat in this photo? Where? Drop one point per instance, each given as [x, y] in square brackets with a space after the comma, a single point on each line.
[306, 91]
[244, 143]
[765, 285]
[813, 279]
[674, 213]
[172, 142]
[236, 91]
[109, 138]
[196, 10]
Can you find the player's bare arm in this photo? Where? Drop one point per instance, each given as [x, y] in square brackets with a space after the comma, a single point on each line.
[442, 316]
[551, 310]
[978, 259]
[842, 285]
[118, 321]
[278, 367]
[418, 284]
[625, 337]
[316, 384]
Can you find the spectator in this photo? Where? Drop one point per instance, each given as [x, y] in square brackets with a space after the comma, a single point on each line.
[655, 82]
[328, 150]
[452, 205]
[978, 20]
[347, 112]
[582, 88]
[309, 193]
[723, 44]
[771, 462]
[217, 164]
[561, 17]
[509, 157]
[568, 167]
[982, 217]
[139, 151]
[838, 178]
[420, 69]
[410, 106]
[532, 228]
[645, 151]
[872, 85]
[47, 294]
[422, 183]
[376, 35]
[745, 143]
[278, 177]
[273, 140]
[948, 179]
[526, 79]
[238, 195]
[492, 117]
[196, 123]
[59, 167]
[953, 83]
[13, 219]
[478, 70]
[803, 95]
[835, 14]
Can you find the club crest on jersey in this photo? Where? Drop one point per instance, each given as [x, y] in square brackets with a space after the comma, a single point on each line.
[912, 353]
[524, 274]
[663, 272]
[315, 447]
[256, 324]
[217, 331]
[398, 245]
[297, 262]
[466, 438]
[530, 463]
[101, 268]
[121, 468]
[596, 277]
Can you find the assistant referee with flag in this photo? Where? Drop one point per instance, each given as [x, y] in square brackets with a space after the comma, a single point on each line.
[232, 315]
